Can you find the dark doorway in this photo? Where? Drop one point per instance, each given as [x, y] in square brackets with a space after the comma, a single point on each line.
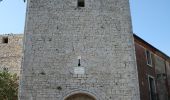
[152, 88]
[80, 96]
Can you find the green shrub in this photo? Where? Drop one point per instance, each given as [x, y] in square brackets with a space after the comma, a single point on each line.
[8, 86]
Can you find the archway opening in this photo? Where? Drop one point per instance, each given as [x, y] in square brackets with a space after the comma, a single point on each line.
[80, 96]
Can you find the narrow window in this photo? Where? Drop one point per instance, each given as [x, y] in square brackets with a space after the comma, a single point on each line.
[81, 3]
[79, 64]
[5, 40]
[148, 58]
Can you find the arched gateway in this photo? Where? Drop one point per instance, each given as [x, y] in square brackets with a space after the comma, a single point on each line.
[80, 96]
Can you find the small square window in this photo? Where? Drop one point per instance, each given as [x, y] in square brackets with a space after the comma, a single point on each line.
[148, 58]
[5, 40]
[81, 3]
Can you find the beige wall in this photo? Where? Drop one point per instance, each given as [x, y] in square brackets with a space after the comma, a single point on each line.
[11, 53]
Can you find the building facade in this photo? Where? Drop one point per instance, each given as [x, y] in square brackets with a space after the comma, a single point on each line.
[11, 52]
[153, 71]
[79, 49]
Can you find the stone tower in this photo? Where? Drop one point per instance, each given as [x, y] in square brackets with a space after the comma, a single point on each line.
[78, 50]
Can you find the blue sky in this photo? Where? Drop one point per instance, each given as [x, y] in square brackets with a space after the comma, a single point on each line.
[12, 16]
[150, 18]
[151, 21]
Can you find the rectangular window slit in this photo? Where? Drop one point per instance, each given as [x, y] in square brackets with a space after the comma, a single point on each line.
[148, 57]
[81, 3]
[5, 40]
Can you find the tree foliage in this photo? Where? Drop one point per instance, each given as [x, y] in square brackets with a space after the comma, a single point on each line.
[8, 86]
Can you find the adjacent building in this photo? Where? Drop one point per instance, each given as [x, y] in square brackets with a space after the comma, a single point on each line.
[153, 71]
[11, 52]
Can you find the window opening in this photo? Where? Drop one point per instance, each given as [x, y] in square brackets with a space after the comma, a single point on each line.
[81, 3]
[79, 64]
[148, 57]
[5, 40]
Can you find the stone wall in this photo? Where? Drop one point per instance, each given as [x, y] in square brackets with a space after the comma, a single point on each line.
[58, 32]
[11, 52]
